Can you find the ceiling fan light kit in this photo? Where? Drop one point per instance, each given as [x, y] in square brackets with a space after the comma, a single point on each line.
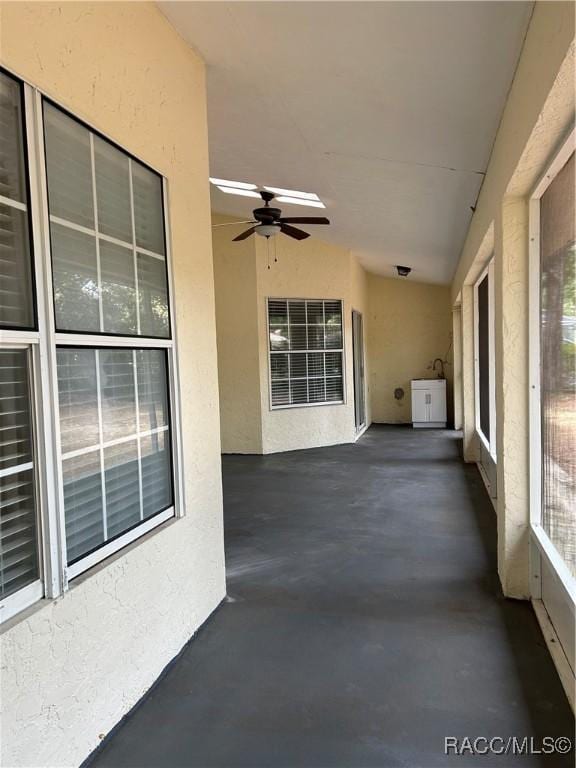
[267, 230]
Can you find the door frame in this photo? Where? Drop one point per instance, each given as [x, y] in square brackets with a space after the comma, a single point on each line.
[359, 371]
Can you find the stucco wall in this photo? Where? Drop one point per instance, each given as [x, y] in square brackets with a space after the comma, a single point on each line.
[306, 269]
[537, 115]
[237, 338]
[73, 667]
[410, 324]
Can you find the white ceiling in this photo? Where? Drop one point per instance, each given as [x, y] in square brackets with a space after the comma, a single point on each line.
[387, 110]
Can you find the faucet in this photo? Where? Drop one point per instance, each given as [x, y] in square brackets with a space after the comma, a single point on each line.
[439, 360]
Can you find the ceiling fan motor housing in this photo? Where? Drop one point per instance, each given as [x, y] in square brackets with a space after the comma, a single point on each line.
[267, 215]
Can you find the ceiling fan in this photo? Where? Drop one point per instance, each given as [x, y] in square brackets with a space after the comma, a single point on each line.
[269, 221]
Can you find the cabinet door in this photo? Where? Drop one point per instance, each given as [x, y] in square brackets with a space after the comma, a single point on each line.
[420, 405]
[438, 405]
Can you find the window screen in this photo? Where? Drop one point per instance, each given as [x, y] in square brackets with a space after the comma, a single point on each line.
[18, 528]
[484, 357]
[306, 347]
[107, 234]
[558, 362]
[16, 287]
[115, 442]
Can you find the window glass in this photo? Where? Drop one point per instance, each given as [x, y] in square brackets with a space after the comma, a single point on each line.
[18, 526]
[115, 441]
[302, 371]
[484, 357]
[16, 285]
[558, 362]
[108, 254]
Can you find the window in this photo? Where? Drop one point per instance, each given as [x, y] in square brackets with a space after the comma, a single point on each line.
[485, 389]
[19, 552]
[558, 362]
[552, 347]
[108, 358]
[16, 285]
[306, 352]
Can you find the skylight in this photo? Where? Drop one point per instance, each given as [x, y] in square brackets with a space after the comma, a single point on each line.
[299, 201]
[293, 193]
[290, 196]
[233, 184]
[235, 191]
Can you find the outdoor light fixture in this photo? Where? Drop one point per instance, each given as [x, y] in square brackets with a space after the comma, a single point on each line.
[404, 271]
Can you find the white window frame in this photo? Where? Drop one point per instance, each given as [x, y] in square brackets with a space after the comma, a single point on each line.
[341, 350]
[540, 544]
[490, 445]
[55, 574]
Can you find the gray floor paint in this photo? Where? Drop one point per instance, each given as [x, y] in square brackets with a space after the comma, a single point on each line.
[364, 623]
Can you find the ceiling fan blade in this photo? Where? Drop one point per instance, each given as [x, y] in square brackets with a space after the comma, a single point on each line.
[230, 223]
[297, 234]
[305, 220]
[244, 235]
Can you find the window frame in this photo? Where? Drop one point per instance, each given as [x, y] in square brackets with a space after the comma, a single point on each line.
[489, 444]
[43, 341]
[541, 545]
[341, 351]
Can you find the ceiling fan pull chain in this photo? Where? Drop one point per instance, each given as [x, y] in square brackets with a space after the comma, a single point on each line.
[268, 250]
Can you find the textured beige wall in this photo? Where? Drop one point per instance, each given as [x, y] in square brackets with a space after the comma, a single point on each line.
[237, 338]
[537, 115]
[548, 40]
[409, 325]
[73, 667]
[308, 269]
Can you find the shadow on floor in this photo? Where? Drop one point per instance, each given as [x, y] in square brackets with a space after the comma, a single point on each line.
[364, 623]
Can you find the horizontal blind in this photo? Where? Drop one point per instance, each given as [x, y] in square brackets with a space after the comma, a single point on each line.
[306, 349]
[117, 466]
[18, 527]
[16, 300]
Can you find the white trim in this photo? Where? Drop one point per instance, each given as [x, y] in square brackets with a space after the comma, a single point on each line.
[97, 242]
[13, 203]
[7, 471]
[173, 368]
[554, 559]
[20, 600]
[95, 340]
[116, 544]
[119, 440]
[54, 520]
[102, 236]
[16, 339]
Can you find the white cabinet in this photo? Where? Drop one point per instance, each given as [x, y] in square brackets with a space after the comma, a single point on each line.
[428, 402]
